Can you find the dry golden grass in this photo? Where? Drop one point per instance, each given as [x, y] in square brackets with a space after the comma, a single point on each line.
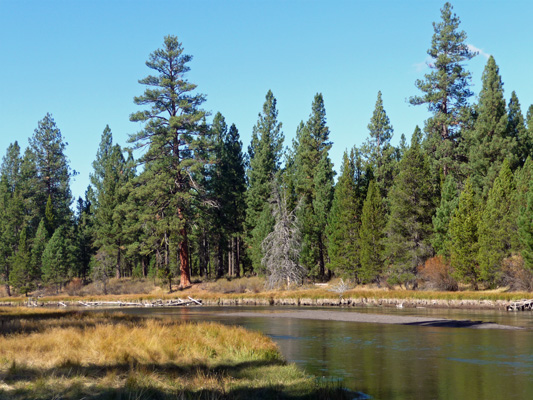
[73, 355]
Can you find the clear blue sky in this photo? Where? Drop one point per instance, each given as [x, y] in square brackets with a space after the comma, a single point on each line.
[81, 60]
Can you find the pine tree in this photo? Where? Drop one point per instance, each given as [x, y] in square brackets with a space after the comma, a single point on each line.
[314, 185]
[103, 155]
[173, 133]
[464, 249]
[22, 277]
[39, 244]
[516, 129]
[371, 235]
[489, 143]
[264, 155]
[378, 151]
[53, 171]
[57, 258]
[446, 90]
[344, 218]
[409, 227]
[281, 247]
[12, 218]
[84, 231]
[498, 221]
[441, 240]
[525, 231]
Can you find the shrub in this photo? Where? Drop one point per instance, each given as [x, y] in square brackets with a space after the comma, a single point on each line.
[74, 286]
[238, 285]
[515, 275]
[435, 274]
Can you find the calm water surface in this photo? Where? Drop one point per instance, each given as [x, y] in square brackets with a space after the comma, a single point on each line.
[397, 361]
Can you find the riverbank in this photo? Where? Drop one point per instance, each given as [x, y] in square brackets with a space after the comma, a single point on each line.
[99, 355]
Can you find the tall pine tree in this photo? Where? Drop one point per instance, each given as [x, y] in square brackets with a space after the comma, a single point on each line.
[172, 133]
[264, 155]
[446, 90]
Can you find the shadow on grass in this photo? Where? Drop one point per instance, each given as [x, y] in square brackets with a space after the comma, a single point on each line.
[135, 389]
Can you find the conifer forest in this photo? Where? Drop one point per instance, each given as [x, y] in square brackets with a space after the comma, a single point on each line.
[452, 206]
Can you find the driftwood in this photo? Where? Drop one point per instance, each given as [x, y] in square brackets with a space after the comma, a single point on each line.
[152, 303]
[521, 305]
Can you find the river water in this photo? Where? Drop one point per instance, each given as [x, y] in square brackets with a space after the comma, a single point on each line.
[397, 361]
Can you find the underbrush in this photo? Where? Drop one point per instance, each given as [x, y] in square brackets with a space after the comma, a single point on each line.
[237, 285]
[72, 355]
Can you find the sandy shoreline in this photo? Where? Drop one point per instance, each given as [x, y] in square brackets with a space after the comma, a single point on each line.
[377, 319]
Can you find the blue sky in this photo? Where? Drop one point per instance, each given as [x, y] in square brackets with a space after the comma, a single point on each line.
[81, 60]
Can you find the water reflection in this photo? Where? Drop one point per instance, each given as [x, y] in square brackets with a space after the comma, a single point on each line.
[397, 361]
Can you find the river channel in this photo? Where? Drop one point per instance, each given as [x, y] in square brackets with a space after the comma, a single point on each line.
[388, 361]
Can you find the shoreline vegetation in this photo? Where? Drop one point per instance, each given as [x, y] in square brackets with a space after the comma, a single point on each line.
[102, 355]
[251, 291]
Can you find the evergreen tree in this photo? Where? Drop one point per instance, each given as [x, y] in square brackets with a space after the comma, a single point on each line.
[498, 221]
[11, 211]
[409, 227]
[489, 143]
[103, 155]
[371, 235]
[173, 133]
[378, 151]
[525, 231]
[516, 129]
[314, 185]
[441, 240]
[264, 155]
[39, 244]
[22, 277]
[57, 258]
[344, 218]
[84, 232]
[52, 169]
[446, 90]
[464, 249]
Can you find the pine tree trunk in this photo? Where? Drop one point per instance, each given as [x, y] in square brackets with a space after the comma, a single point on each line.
[220, 261]
[185, 273]
[8, 289]
[237, 257]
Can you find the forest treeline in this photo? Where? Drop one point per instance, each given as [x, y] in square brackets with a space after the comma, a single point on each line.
[453, 206]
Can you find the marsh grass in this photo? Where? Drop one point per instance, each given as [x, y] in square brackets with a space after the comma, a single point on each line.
[95, 355]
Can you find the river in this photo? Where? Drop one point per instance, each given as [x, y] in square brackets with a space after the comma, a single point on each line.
[396, 361]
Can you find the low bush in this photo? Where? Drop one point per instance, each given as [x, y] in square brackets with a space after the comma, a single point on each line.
[435, 274]
[515, 275]
[236, 285]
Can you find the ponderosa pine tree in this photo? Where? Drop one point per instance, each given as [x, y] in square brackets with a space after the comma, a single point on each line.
[516, 129]
[372, 235]
[378, 151]
[489, 143]
[264, 155]
[464, 250]
[53, 171]
[441, 240]
[172, 133]
[409, 227]
[446, 90]
[314, 185]
[498, 230]
[103, 155]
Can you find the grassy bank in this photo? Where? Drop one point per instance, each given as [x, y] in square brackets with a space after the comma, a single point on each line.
[71, 355]
[253, 289]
